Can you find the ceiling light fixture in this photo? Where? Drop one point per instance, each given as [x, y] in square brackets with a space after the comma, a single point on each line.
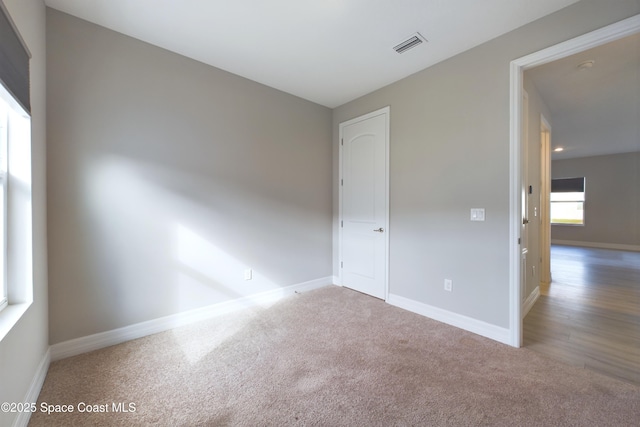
[558, 149]
[409, 43]
[586, 65]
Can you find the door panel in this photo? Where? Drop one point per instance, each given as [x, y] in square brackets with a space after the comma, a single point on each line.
[364, 205]
[524, 231]
[360, 174]
[545, 190]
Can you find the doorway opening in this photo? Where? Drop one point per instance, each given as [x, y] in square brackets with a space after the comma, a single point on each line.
[596, 38]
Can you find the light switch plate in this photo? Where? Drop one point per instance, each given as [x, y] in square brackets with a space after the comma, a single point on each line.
[477, 214]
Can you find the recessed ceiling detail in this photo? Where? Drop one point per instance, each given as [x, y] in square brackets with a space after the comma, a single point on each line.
[409, 43]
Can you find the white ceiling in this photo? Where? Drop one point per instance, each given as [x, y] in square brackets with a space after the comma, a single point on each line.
[594, 111]
[326, 51]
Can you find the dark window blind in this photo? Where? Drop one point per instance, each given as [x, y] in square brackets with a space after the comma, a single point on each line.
[567, 185]
[14, 61]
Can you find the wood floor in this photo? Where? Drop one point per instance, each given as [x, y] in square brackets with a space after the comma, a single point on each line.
[590, 314]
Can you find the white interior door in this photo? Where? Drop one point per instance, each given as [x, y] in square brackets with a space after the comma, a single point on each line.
[524, 232]
[545, 190]
[364, 203]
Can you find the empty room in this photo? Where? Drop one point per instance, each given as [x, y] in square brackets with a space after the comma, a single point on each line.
[310, 213]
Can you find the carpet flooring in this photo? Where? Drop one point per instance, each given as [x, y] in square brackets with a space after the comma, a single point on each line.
[328, 357]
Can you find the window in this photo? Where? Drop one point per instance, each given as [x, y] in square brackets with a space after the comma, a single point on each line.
[567, 201]
[4, 137]
[16, 251]
[15, 205]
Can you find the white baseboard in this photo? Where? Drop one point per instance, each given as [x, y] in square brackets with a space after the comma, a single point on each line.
[599, 245]
[530, 301]
[34, 389]
[479, 327]
[116, 336]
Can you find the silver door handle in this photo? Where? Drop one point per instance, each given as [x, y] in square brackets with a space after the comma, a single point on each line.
[525, 221]
[379, 230]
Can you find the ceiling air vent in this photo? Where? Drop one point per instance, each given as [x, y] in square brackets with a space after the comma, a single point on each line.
[409, 43]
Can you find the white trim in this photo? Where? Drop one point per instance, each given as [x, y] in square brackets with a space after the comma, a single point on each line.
[336, 280]
[545, 191]
[4, 198]
[22, 420]
[479, 327]
[515, 214]
[595, 38]
[18, 213]
[527, 305]
[116, 336]
[386, 111]
[10, 315]
[599, 245]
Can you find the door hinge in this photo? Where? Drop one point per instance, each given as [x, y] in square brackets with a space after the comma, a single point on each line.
[341, 264]
[519, 240]
[342, 182]
[342, 141]
[341, 223]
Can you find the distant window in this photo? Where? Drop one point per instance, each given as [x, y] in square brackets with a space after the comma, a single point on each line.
[567, 201]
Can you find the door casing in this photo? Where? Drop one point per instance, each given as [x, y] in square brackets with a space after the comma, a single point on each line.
[545, 190]
[607, 34]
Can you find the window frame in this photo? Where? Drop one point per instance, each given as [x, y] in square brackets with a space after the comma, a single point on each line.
[15, 86]
[4, 175]
[18, 286]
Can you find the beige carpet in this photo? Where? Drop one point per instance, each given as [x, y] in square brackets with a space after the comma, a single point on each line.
[330, 357]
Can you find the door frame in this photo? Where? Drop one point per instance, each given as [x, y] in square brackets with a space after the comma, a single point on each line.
[610, 33]
[524, 198]
[545, 191]
[386, 111]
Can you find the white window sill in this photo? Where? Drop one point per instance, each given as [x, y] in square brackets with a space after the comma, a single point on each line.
[9, 316]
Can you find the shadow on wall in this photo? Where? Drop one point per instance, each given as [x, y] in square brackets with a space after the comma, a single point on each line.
[161, 236]
[144, 143]
[204, 268]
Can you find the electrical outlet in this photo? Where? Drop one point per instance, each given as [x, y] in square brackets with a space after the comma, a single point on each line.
[248, 274]
[448, 285]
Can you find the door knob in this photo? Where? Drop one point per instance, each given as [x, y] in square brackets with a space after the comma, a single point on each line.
[379, 230]
[525, 221]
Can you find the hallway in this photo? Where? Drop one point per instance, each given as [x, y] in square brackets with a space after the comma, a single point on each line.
[590, 314]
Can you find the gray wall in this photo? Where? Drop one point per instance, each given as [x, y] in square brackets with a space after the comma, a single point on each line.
[22, 350]
[449, 153]
[167, 178]
[612, 199]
